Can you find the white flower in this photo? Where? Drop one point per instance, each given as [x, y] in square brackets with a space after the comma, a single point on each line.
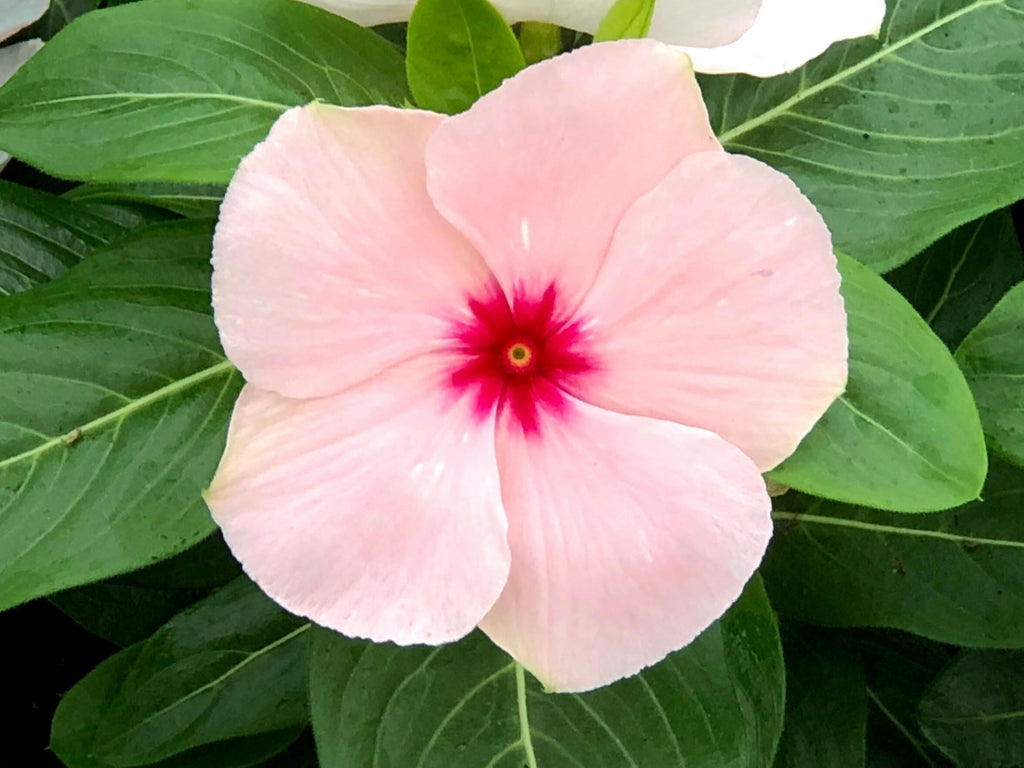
[759, 37]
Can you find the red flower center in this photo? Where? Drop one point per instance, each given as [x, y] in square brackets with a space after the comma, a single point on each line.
[519, 357]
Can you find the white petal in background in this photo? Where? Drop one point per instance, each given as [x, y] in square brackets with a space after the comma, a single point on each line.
[785, 34]
[18, 14]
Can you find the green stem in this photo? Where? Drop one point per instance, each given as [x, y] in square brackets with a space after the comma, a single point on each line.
[524, 720]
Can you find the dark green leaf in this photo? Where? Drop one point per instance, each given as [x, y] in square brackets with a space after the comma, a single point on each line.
[897, 140]
[899, 668]
[458, 50]
[41, 235]
[826, 701]
[60, 14]
[717, 703]
[626, 18]
[992, 358]
[193, 200]
[905, 435]
[223, 683]
[114, 401]
[178, 90]
[301, 754]
[975, 710]
[129, 608]
[955, 576]
[955, 282]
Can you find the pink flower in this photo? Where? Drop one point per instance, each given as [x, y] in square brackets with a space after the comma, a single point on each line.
[519, 368]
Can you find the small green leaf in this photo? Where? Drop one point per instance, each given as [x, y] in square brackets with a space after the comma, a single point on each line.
[905, 435]
[221, 684]
[42, 235]
[955, 576]
[539, 41]
[178, 90]
[826, 702]
[992, 358]
[114, 402]
[458, 50]
[958, 280]
[626, 18]
[717, 702]
[192, 200]
[975, 710]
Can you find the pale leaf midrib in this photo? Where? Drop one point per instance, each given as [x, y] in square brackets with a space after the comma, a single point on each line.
[828, 82]
[880, 528]
[215, 682]
[131, 96]
[120, 413]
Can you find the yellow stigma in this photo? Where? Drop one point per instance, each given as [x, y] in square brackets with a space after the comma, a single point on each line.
[519, 355]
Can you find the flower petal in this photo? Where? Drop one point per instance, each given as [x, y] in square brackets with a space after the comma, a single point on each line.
[629, 536]
[538, 172]
[787, 34]
[690, 22]
[330, 262]
[19, 14]
[704, 23]
[376, 512]
[719, 307]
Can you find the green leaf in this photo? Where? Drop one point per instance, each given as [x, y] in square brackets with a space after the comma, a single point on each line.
[225, 679]
[975, 711]
[129, 608]
[717, 703]
[896, 140]
[539, 40]
[114, 401]
[626, 18]
[42, 235]
[178, 90]
[955, 576]
[192, 200]
[992, 358]
[955, 282]
[899, 668]
[458, 50]
[905, 435]
[826, 701]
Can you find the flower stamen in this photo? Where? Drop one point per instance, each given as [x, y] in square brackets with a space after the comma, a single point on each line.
[519, 356]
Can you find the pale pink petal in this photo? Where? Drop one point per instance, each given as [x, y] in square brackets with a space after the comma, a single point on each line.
[376, 512]
[785, 35]
[538, 172]
[719, 307]
[330, 262]
[18, 14]
[629, 536]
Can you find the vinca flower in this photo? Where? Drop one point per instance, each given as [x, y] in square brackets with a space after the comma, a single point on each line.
[759, 37]
[520, 368]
